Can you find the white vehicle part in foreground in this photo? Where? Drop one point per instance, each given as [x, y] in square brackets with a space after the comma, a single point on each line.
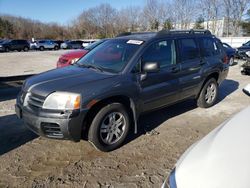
[221, 159]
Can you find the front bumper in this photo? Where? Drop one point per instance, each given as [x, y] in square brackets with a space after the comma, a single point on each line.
[52, 125]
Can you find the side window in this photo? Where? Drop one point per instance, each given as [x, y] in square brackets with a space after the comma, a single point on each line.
[188, 49]
[209, 47]
[13, 42]
[162, 52]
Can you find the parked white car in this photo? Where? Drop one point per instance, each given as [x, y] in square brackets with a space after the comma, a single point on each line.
[219, 160]
[85, 43]
[46, 44]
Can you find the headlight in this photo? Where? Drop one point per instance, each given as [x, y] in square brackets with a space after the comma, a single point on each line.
[62, 101]
[1, 45]
[74, 60]
[172, 180]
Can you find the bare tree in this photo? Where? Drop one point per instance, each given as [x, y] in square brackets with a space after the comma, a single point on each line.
[233, 11]
[211, 13]
[185, 11]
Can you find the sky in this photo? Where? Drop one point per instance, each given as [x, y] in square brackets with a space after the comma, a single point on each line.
[60, 11]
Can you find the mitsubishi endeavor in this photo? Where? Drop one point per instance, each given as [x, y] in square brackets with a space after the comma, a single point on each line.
[102, 95]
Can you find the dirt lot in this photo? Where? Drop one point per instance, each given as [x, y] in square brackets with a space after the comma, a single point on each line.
[25, 63]
[144, 161]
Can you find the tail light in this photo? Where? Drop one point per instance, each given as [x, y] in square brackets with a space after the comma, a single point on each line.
[225, 59]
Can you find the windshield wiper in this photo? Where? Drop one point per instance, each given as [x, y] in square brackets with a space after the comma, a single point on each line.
[91, 66]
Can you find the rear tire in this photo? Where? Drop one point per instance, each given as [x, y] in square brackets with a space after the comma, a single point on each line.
[208, 94]
[231, 61]
[7, 49]
[243, 72]
[25, 49]
[109, 127]
[56, 48]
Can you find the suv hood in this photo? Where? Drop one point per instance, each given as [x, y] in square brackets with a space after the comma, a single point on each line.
[221, 159]
[62, 80]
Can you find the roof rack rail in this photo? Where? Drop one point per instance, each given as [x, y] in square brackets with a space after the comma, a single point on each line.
[134, 33]
[123, 34]
[191, 31]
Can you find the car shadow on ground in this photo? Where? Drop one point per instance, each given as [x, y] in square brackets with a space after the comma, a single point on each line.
[226, 88]
[13, 133]
[8, 92]
[148, 122]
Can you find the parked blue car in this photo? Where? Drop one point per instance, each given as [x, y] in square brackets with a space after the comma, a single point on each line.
[230, 53]
[241, 51]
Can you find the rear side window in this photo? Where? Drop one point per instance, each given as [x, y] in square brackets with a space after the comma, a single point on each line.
[209, 47]
[188, 49]
[162, 52]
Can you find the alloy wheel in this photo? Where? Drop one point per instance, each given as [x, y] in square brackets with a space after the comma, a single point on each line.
[210, 93]
[112, 127]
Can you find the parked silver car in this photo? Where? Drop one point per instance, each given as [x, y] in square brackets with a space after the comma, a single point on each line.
[46, 44]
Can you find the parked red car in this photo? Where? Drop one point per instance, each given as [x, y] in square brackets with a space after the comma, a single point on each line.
[73, 56]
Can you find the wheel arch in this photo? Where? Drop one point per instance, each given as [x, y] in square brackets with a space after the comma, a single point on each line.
[128, 102]
[214, 75]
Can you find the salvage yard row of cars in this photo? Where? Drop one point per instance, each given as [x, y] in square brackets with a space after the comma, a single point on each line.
[24, 45]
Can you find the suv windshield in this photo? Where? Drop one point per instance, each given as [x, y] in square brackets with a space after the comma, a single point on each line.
[111, 56]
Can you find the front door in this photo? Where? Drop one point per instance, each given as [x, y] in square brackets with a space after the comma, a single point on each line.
[160, 88]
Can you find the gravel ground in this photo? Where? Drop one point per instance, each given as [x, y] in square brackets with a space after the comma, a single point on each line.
[144, 161]
[26, 63]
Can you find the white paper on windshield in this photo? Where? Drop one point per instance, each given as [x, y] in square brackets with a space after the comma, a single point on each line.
[137, 42]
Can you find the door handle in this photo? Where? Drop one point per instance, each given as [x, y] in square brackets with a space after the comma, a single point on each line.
[175, 69]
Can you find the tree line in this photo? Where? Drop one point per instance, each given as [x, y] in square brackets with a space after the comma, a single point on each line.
[106, 21]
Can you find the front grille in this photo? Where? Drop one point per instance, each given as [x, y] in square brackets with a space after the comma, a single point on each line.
[35, 101]
[22, 96]
[51, 130]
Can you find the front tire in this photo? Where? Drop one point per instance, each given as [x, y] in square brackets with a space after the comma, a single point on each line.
[56, 48]
[109, 127]
[209, 94]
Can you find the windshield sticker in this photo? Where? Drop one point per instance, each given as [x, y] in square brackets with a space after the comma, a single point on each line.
[137, 42]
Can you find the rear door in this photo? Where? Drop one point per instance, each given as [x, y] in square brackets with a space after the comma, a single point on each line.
[160, 88]
[191, 66]
[213, 53]
[21, 44]
[48, 44]
[14, 45]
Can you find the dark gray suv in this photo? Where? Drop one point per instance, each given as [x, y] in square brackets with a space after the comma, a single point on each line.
[102, 95]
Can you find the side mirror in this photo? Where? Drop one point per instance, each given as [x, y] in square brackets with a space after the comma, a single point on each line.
[150, 67]
[246, 90]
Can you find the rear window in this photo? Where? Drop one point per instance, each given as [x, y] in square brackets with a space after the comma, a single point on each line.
[188, 49]
[22, 42]
[209, 47]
